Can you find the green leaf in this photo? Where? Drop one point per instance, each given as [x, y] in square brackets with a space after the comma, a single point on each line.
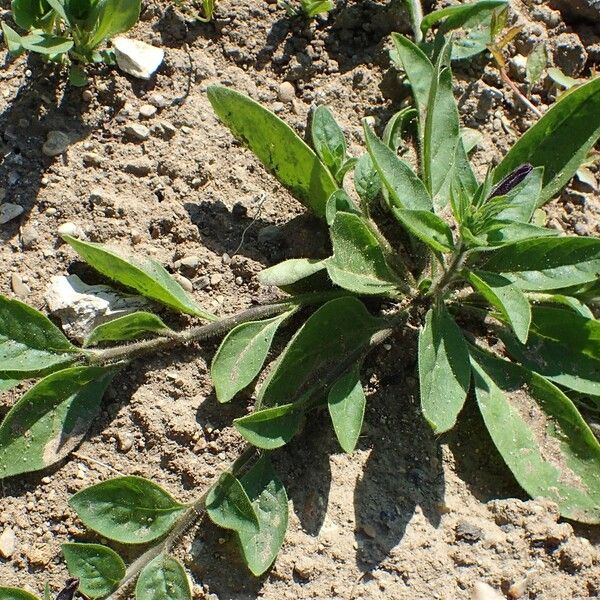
[339, 201]
[98, 568]
[290, 271]
[7, 593]
[405, 189]
[271, 428]
[441, 138]
[77, 76]
[13, 41]
[564, 347]
[569, 302]
[506, 298]
[242, 354]
[396, 127]
[46, 44]
[456, 16]
[268, 497]
[366, 180]
[541, 436]
[128, 327]
[335, 333]
[523, 199]
[328, 139]
[30, 344]
[59, 7]
[559, 141]
[228, 505]
[163, 579]
[276, 145]
[475, 36]
[346, 402]
[29, 13]
[501, 233]
[111, 18]
[147, 276]
[547, 263]
[536, 63]
[444, 370]
[129, 510]
[358, 263]
[427, 227]
[50, 420]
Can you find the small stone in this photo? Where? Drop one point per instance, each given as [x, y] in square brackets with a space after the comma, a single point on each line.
[158, 101]
[518, 588]
[304, 568]
[575, 554]
[125, 441]
[518, 66]
[185, 283]
[190, 262]
[29, 236]
[51, 211]
[18, 287]
[239, 281]
[482, 591]
[226, 259]
[68, 229]
[286, 92]
[87, 96]
[139, 167]
[216, 279]
[40, 556]
[137, 132]
[8, 212]
[8, 543]
[137, 58]
[136, 236]
[147, 111]
[46, 480]
[91, 159]
[467, 532]
[57, 142]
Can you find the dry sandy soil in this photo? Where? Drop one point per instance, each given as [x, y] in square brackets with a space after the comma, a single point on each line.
[406, 516]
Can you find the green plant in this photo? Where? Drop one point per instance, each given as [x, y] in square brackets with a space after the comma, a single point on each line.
[207, 7]
[308, 8]
[464, 266]
[70, 32]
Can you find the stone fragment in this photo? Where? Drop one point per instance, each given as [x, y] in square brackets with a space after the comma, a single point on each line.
[286, 92]
[57, 143]
[482, 591]
[137, 132]
[18, 286]
[9, 211]
[147, 111]
[8, 543]
[69, 229]
[137, 58]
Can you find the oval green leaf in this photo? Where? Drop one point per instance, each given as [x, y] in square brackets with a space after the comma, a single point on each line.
[328, 139]
[130, 510]
[541, 436]
[7, 593]
[276, 145]
[427, 227]
[98, 568]
[50, 420]
[128, 327]
[163, 579]
[271, 428]
[228, 505]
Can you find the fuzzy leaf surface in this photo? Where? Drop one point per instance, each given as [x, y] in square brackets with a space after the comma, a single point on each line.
[129, 327]
[346, 402]
[163, 579]
[228, 505]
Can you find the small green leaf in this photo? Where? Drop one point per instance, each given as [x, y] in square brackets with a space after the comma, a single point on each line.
[163, 579]
[339, 201]
[547, 263]
[541, 436]
[405, 189]
[130, 510]
[242, 354]
[147, 276]
[276, 145]
[458, 15]
[523, 199]
[366, 180]
[328, 139]
[77, 76]
[346, 402]
[337, 331]
[30, 344]
[28, 14]
[559, 141]
[98, 568]
[444, 370]
[271, 428]
[396, 126]
[358, 263]
[504, 296]
[427, 227]
[564, 347]
[46, 44]
[13, 41]
[50, 420]
[536, 63]
[228, 505]
[290, 271]
[7, 593]
[268, 497]
[128, 327]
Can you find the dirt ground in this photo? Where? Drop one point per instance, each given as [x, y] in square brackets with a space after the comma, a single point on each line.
[406, 516]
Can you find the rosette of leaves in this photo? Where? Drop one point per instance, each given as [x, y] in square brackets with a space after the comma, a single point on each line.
[70, 32]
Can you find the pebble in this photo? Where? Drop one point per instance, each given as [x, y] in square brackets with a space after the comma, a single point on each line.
[187, 262]
[216, 279]
[482, 591]
[158, 101]
[8, 543]
[147, 111]
[18, 287]
[137, 132]
[185, 283]
[137, 58]
[68, 229]
[286, 92]
[467, 532]
[57, 142]
[29, 236]
[125, 441]
[91, 159]
[304, 568]
[87, 96]
[9, 211]
[136, 236]
[518, 588]
[239, 280]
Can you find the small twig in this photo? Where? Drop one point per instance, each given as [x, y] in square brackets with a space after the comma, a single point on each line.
[91, 460]
[263, 198]
[513, 86]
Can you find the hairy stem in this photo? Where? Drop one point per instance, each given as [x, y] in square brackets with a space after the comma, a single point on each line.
[439, 286]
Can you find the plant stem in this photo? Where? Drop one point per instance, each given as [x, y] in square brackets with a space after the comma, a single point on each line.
[513, 86]
[439, 286]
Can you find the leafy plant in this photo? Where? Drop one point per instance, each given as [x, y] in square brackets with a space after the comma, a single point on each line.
[207, 8]
[460, 260]
[70, 32]
[308, 8]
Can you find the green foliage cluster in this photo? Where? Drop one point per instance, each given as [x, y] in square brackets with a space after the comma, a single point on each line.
[70, 31]
[460, 258]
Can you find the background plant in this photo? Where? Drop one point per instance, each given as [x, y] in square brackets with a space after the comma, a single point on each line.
[462, 260]
[70, 32]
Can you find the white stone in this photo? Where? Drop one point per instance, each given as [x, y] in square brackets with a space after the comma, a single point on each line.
[57, 142]
[8, 543]
[9, 211]
[81, 307]
[482, 591]
[69, 229]
[137, 58]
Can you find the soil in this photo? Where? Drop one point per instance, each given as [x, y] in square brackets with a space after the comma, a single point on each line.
[406, 516]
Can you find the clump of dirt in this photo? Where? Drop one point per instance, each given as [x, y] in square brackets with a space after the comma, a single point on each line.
[406, 516]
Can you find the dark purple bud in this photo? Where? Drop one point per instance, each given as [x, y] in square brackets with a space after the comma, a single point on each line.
[511, 181]
[70, 589]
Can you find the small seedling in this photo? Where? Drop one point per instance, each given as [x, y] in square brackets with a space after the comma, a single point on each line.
[207, 9]
[70, 32]
[308, 8]
[500, 306]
